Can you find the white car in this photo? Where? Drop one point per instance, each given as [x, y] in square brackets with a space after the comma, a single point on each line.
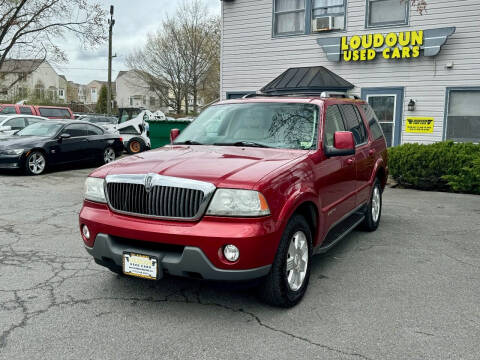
[10, 124]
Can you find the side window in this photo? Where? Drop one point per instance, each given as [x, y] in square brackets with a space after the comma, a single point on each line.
[93, 130]
[16, 124]
[373, 124]
[75, 130]
[31, 121]
[26, 110]
[8, 110]
[333, 123]
[355, 124]
[129, 130]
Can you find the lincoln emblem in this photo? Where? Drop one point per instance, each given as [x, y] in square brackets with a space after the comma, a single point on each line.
[148, 183]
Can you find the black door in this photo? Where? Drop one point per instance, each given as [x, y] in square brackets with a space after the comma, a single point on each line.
[96, 142]
[74, 148]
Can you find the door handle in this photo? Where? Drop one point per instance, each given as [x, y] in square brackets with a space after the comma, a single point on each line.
[350, 161]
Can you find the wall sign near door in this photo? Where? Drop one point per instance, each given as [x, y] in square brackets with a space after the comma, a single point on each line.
[392, 46]
[422, 125]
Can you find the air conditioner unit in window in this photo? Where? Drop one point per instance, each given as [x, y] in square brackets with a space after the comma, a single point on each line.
[324, 23]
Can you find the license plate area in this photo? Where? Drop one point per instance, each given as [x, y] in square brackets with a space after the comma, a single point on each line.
[139, 265]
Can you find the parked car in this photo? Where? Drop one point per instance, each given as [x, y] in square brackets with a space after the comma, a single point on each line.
[54, 142]
[100, 120]
[10, 124]
[51, 112]
[253, 188]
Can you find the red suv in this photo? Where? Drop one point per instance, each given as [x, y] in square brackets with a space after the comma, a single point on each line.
[253, 188]
[51, 112]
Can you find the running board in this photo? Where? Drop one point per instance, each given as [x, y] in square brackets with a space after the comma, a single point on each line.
[339, 231]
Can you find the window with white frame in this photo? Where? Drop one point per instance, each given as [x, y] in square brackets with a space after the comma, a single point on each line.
[335, 8]
[387, 12]
[463, 117]
[289, 17]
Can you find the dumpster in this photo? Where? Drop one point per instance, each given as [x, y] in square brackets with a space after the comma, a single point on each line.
[160, 130]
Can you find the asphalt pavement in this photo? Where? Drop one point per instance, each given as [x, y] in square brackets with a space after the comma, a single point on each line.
[410, 290]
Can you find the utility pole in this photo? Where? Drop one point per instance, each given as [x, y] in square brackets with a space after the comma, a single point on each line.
[111, 22]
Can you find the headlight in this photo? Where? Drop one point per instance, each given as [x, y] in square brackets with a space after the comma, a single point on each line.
[244, 203]
[12, 152]
[94, 189]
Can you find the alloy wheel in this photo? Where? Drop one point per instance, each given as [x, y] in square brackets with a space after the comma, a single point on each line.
[297, 261]
[108, 155]
[376, 203]
[36, 163]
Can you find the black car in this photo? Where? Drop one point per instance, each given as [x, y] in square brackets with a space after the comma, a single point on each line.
[58, 142]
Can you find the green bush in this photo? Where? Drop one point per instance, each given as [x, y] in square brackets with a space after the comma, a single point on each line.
[443, 166]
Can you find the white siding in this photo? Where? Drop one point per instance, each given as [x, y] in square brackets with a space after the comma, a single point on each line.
[251, 57]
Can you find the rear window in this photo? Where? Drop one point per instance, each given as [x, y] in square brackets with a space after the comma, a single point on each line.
[55, 112]
[8, 110]
[26, 110]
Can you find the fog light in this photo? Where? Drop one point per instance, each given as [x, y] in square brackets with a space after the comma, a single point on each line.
[231, 253]
[86, 232]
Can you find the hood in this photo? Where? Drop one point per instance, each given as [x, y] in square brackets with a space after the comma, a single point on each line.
[15, 142]
[224, 166]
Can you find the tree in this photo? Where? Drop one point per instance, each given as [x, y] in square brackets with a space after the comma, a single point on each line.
[31, 28]
[101, 107]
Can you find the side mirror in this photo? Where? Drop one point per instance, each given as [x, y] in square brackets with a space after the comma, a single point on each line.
[343, 144]
[5, 128]
[174, 134]
[64, 136]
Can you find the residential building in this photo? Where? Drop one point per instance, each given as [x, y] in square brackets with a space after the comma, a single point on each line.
[29, 78]
[92, 91]
[419, 71]
[133, 91]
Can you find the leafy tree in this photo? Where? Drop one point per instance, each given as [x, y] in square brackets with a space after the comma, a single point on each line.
[101, 106]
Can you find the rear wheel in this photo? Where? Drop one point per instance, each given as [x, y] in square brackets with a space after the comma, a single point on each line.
[287, 281]
[135, 146]
[35, 163]
[108, 155]
[374, 208]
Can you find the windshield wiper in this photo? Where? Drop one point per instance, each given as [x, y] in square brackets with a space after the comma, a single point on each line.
[188, 142]
[243, 143]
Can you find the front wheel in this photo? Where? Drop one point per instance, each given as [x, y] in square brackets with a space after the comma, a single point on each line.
[35, 163]
[374, 208]
[287, 281]
[108, 155]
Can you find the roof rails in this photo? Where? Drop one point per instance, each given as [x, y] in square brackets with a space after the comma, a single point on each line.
[324, 94]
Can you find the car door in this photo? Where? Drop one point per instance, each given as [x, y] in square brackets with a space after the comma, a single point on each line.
[96, 141]
[335, 176]
[75, 147]
[364, 157]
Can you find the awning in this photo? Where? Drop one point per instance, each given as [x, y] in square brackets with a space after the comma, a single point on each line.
[312, 79]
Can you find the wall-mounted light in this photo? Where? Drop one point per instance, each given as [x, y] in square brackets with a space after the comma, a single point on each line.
[411, 105]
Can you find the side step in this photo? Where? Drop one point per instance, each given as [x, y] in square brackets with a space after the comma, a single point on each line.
[338, 232]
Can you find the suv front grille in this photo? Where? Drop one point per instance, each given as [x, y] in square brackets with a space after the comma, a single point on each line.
[158, 196]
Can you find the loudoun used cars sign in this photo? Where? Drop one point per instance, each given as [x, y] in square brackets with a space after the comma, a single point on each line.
[391, 46]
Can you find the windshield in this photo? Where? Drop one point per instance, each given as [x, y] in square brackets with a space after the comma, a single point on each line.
[277, 125]
[40, 129]
[99, 120]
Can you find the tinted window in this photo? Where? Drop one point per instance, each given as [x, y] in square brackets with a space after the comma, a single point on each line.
[93, 130]
[373, 124]
[75, 130]
[31, 121]
[333, 123]
[354, 124]
[26, 110]
[55, 113]
[16, 124]
[8, 110]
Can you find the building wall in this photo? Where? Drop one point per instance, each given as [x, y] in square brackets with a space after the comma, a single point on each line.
[252, 57]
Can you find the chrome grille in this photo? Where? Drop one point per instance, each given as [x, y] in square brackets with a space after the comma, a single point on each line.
[158, 196]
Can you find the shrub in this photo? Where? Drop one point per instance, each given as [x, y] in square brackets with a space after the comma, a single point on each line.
[443, 166]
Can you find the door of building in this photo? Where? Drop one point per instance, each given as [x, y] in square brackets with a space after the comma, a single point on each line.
[388, 106]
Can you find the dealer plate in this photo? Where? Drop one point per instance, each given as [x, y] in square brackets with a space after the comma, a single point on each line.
[139, 265]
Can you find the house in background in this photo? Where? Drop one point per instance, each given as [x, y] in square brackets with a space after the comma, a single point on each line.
[132, 91]
[29, 78]
[92, 91]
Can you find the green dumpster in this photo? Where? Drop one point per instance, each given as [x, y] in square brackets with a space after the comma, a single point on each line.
[160, 130]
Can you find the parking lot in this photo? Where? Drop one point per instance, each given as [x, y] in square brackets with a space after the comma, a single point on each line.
[410, 290]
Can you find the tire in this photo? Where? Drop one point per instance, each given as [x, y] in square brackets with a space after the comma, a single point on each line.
[374, 208]
[135, 146]
[109, 155]
[276, 289]
[35, 163]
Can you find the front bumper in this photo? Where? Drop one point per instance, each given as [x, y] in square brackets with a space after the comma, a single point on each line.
[189, 262]
[10, 161]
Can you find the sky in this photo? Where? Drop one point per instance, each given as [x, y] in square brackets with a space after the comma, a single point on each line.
[134, 20]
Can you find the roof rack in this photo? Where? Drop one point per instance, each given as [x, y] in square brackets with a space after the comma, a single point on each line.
[323, 94]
